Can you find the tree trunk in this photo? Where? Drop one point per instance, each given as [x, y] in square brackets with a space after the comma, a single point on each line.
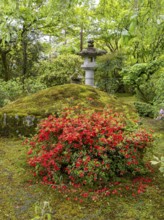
[5, 65]
[81, 38]
[24, 53]
[24, 47]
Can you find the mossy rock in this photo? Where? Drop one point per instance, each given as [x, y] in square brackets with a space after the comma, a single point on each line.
[18, 124]
[21, 116]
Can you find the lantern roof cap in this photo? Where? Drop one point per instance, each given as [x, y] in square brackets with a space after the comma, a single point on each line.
[91, 51]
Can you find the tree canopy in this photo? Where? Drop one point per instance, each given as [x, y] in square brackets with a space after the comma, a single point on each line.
[35, 30]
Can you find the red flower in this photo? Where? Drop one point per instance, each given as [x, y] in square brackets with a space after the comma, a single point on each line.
[85, 195]
[29, 152]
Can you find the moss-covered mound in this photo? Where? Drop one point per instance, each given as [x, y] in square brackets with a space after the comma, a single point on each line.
[20, 117]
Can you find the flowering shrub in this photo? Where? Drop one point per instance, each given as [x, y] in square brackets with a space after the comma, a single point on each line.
[80, 147]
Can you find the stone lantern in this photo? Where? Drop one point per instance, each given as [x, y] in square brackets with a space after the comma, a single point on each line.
[89, 64]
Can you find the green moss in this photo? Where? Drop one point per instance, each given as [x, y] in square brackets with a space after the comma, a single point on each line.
[41, 102]
[50, 101]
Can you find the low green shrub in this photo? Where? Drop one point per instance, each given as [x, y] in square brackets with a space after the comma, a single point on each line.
[60, 70]
[9, 91]
[107, 76]
[14, 89]
[143, 78]
[158, 100]
[144, 109]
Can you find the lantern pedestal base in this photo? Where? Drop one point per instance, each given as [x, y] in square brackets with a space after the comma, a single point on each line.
[89, 77]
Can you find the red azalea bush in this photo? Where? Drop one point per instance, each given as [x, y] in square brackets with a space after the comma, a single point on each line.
[87, 148]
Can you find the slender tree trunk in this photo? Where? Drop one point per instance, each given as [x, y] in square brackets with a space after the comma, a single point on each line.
[24, 69]
[24, 53]
[81, 38]
[5, 65]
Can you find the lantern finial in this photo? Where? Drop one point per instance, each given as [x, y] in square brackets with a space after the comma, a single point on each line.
[90, 43]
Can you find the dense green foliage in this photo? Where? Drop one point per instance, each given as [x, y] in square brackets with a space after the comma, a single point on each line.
[143, 78]
[13, 89]
[60, 70]
[144, 109]
[34, 33]
[107, 75]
